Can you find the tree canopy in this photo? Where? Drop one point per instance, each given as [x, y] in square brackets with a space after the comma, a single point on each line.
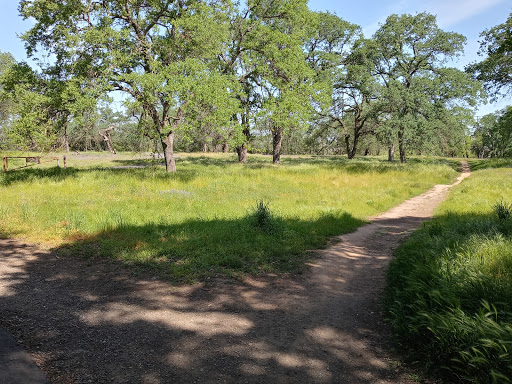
[260, 75]
[409, 56]
[161, 53]
[496, 69]
[492, 136]
[6, 62]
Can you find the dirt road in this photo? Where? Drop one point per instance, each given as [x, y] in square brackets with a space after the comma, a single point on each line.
[94, 322]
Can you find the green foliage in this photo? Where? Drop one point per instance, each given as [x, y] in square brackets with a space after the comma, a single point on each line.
[161, 54]
[496, 69]
[419, 92]
[43, 104]
[204, 72]
[450, 286]
[6, 62]
[339, 55]
[279, 86]
[33, 129]
[492, 136]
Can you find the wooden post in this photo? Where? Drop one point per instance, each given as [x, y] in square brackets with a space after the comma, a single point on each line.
[64, 158]
[6, 165]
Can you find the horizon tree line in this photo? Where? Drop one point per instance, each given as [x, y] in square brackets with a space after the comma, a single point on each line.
[266, 76]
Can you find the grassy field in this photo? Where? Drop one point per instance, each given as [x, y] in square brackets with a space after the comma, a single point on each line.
[450, 286]
[214, 216]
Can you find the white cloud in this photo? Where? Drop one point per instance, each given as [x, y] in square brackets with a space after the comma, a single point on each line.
[451, 12]
[399, 7]
[448, 12]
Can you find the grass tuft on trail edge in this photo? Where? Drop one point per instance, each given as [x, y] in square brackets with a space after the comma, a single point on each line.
[449, 297]
[213, 217]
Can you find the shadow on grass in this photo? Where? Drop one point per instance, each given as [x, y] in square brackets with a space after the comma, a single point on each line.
[446, 244]
[198, 160]
[91, 320]
[356, 165]
[189, 167]
[479, 164]
[33, 174]
[151, 173]
[61, 174]
[450, 162]
[198, 249]
[360, 165]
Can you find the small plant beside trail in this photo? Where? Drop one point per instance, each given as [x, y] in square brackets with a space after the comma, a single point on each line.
[450, 286]
[503, 210]
[262, 218]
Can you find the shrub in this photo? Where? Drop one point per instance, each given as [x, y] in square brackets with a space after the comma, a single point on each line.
[503, 210]
[262, 218]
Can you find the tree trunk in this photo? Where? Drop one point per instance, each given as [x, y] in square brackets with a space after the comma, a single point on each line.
[156, 153]
[205, 147]
[66, 143]
[66, 140]
[166, 133]
[351, 152]
[242, 153]
[358, 128]
[225, 147]
[106, 138]
[391, 152]
[347, 145]
[167, 145]
[401, 146]
[241, 150]
[110, 147]
[277, 140]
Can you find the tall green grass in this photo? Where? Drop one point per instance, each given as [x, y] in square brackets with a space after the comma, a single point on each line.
[198, 222]
[450, 285]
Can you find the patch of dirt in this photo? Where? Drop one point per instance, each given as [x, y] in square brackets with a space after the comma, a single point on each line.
[95, 322]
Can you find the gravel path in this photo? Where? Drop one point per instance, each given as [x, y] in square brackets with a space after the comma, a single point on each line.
[94, 322]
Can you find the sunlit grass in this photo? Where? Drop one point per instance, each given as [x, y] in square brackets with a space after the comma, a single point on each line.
[195, 222]
[450, 294]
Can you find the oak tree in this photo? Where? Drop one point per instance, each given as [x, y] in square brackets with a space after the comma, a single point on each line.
[160, 53]
[409, 62]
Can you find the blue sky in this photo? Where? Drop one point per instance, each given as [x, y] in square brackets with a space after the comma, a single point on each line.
[468, 17]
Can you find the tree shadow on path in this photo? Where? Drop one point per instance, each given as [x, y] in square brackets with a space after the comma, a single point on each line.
[94, 321]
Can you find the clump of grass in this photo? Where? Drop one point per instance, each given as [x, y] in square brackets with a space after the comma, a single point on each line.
[449, 297]
[262, 218]
[503, 210]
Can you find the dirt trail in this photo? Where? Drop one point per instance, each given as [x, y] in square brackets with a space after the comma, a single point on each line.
[96, 323]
